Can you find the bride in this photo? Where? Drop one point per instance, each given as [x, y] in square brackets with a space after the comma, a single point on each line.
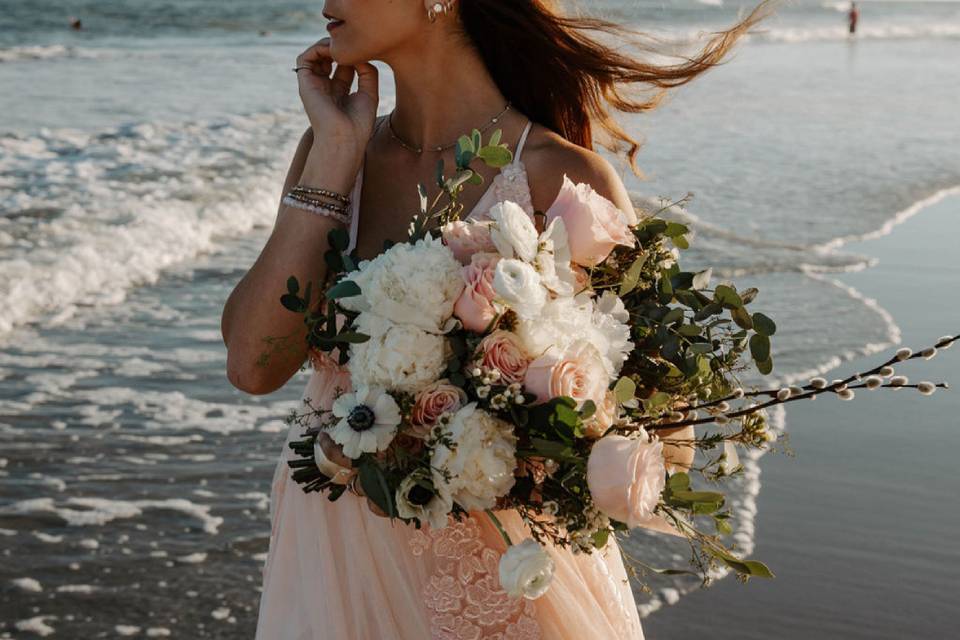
[338, 570]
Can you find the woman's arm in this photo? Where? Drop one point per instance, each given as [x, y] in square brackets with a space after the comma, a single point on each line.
[253, 311]
[254, 323]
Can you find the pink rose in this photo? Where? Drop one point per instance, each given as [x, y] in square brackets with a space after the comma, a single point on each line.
[467, 238]
[626, 477]
[475, 307]
[433, 401]
[604, 417]
[501, 350]
[578, 373]
[594, 224]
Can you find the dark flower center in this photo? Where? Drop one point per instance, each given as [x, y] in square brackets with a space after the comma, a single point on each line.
[419, 496]
[361, 418]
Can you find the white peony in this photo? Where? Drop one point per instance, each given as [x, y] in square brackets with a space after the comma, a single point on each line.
[553, 260]
[526, 570]
[479, 467]
[368, 421]
[517, 284]
[398, 357]
[411, 284]
[602, 322]
[415, 500]
[513, 232]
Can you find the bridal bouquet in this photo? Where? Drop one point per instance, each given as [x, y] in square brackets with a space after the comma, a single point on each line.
[532, 362]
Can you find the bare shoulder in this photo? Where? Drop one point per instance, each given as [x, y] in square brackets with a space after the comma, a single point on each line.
[547, 157]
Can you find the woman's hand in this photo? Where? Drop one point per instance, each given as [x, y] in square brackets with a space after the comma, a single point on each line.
[334, 453]
[342, 122]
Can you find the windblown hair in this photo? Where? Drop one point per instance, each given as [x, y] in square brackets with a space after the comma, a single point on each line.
[556, 69]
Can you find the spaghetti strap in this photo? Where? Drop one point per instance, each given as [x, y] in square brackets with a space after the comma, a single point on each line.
[523, 139]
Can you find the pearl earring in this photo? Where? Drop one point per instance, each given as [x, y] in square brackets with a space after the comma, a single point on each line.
[438, 9]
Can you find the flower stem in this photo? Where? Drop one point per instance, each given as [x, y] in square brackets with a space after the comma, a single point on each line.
[503, 532]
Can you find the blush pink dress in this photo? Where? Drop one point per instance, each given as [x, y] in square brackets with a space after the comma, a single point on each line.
[336, 571]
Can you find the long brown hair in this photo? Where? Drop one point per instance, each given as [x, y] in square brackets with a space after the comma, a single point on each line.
[553, 68]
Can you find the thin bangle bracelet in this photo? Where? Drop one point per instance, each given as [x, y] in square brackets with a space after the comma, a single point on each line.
[319, 210]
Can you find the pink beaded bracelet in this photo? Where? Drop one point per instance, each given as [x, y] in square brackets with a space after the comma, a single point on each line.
[315, 206]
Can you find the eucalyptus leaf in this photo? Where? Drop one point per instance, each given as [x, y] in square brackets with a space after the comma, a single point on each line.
[764, 325]
[343, 289]
[760, 347]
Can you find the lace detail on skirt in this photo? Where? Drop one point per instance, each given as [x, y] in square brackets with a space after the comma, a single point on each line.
[463, 595]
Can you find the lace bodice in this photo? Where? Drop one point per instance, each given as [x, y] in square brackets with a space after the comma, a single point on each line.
[509, 184]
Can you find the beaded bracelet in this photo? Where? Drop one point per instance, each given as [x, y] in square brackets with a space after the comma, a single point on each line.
[317, 202]
[339, 197]
[317, 207]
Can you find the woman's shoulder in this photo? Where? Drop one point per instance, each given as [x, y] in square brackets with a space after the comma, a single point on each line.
[548, 157]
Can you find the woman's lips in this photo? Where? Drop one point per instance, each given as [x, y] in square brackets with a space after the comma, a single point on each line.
[333, 24]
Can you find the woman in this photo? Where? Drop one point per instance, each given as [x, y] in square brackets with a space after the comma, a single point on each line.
[337, 570]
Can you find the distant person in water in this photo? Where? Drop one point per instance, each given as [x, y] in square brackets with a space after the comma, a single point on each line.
[853, 16]
[76, 24]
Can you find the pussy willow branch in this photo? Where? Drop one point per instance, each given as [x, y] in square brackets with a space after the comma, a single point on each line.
[810, 392]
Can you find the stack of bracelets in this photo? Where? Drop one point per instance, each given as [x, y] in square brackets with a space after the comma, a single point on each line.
[309, 199]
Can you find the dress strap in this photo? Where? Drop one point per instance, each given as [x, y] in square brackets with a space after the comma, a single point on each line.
[523, 139]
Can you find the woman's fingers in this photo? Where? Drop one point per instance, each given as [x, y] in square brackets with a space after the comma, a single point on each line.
[342, 80]
[315, 53]
[368, 80]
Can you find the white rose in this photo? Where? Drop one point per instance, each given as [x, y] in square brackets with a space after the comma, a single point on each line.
[610, 331]
[526, 570]
[397, 357]
[411, 284]
[553, 260]
[479, 467]
[415, 500]
[513, 232]
[517, 284]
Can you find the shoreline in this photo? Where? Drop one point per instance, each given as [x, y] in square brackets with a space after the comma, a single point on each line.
[913, 263]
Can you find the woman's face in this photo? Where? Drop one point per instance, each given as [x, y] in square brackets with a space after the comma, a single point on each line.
[363, 30]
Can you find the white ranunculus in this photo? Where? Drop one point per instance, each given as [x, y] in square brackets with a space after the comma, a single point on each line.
[368, 421]
[513, 232]
[411, 284]
[553, 260]
[479, 467]
[517, 284]
[432, 509]
[397, 357]
[526, 569]
[561, 322]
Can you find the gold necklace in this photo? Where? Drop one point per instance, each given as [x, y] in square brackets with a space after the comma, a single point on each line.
[418, 150]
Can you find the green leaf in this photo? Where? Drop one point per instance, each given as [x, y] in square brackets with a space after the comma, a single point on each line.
[764, 325]
[632, 276]
[689, 330]
[741, 317]
[375, 486]
[765, 367]
[292, 285]
[727, 296]
[678, 482]
[352, 337]
[675, 229]
[465, 143]
[760, 347]
[552, 449]
[475, 134]
[588, 409]
[292, 302]
[656, 400]
[495, 156]
[339, 238]
[600, 538]
[343, 289]
[680, 242]
[475, 179]
[625, 389]
[674, 315]
[495, 138]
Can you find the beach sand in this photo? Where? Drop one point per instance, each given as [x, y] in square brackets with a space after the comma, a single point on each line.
[852, 522]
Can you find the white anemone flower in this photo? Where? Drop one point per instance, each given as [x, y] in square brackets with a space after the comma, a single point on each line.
[368, 421]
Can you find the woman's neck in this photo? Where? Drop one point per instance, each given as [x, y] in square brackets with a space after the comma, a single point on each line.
[443, 90]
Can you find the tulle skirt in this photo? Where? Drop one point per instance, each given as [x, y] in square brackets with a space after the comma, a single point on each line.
[337, 571]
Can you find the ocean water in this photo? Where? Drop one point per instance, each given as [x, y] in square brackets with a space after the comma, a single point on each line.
[140, 165]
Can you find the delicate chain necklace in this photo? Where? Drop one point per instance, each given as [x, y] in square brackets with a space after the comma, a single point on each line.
[418, 150]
